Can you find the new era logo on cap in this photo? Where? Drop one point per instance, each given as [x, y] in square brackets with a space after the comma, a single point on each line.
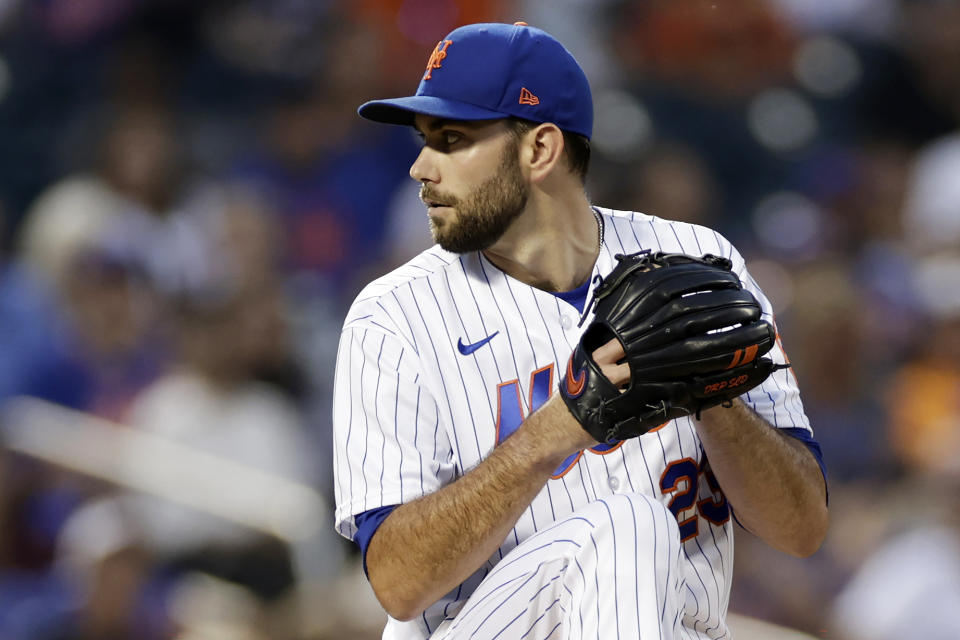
[486, 72]
[528, 98]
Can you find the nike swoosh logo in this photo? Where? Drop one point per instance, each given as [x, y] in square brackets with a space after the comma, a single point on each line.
[575, 385]
[467, 349]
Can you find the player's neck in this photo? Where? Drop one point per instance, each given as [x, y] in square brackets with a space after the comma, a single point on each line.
[553, 245]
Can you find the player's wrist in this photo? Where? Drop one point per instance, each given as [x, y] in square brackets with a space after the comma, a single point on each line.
[719, 417]
[558, 430]
[546, 438]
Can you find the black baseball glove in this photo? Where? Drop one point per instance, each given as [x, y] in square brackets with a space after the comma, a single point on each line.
[693, 339]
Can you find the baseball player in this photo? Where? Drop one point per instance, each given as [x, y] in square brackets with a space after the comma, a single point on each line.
[482, 504]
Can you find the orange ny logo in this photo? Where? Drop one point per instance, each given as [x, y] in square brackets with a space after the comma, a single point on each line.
[439, 53]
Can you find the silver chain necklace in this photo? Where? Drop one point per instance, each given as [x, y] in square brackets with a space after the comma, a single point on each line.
[599, 229]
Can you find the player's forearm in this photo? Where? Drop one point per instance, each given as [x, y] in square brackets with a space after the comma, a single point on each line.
[772, 480]
[427, 547]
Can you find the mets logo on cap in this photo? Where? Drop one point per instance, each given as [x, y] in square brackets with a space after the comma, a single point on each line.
[439, 53]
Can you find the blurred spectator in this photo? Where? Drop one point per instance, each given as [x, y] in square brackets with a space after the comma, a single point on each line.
[406, 30]
[920, 553]
[932, 215]
[581, 27]
[931, 41]
[138, 202]
[212, 401]
[871, 18]
[828, 347]
[910, 88]
[867, 202]
[28, 318]
[80, 340]
[669, 181]
[924, 395]
[718, 80]
[330, 176]
[108, 347]
[101, 561]
[718, 51]
[283, 37]
[867, 226]
[88, 353]
[909, 586]
[34, 504]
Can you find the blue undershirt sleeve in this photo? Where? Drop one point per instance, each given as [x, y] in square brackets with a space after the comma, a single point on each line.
[367, 524]
[804, 436]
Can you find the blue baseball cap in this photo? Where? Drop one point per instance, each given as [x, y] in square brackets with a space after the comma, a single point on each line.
[488, 71]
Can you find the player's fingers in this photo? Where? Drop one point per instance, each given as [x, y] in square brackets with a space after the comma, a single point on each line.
[610, 353]
[618, 374]
[607, 358]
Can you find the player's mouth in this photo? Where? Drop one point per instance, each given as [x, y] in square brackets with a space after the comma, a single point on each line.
[435, 201]
[433, 205]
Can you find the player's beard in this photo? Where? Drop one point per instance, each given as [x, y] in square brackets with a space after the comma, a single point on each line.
[484, 215]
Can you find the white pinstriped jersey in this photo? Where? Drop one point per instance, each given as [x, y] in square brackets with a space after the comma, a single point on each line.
[412, 412]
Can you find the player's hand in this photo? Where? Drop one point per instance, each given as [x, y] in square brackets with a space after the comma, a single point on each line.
[610, 358]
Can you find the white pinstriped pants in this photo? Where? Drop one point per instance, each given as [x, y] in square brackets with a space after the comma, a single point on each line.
[609, 570]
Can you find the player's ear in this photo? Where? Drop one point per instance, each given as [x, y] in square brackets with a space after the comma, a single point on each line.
[542, 150]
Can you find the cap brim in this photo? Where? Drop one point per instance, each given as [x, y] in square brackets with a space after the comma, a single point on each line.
[403, 110]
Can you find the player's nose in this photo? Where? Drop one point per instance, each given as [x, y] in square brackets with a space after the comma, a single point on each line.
[424, 168]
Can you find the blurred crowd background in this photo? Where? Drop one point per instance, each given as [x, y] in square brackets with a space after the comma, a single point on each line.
[189, 203]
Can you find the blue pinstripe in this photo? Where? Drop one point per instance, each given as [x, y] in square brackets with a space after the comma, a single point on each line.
[480, 315]
[437, 358]
[616, 564]
[366, 423]
[416, 433]
[396, 424]
[466, 392]
[542, 616]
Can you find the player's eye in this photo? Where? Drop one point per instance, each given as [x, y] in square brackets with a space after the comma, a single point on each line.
[441, 140]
